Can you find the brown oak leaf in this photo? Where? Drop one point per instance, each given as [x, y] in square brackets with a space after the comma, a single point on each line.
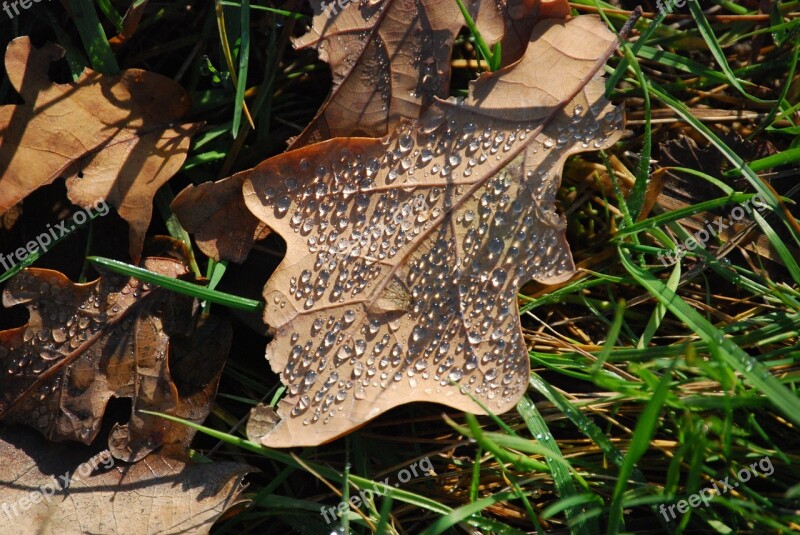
[115, 138]
[113, 337]
[215, 213]
[405, 254]
[358, 105]
[390, 59]
[48, 488]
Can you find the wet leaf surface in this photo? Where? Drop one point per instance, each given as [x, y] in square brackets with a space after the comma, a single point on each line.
[364, 43]
[113, 337]
[390, 59]
[404, 255]
[115, 138]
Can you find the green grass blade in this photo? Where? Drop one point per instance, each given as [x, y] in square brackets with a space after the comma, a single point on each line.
[675, 215]
[398, 494]
[244, 60]
[645, 429]
[179, 286]
[283, 12]
[94, 38]
[766, 193]
[111, 14]
[750, 368]
[163, 200]
[613, 335]
[465, 512]
[561, 475]
[492, 58]
[716, 50]
[786, 157]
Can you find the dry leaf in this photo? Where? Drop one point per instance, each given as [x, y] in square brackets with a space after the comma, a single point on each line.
[215, 213]
[113, 337]
[157, 495]
[521, 17]
[390, 59]
[404, 255]
[113, 137]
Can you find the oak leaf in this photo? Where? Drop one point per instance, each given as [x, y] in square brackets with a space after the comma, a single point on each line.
[113, 337]
[215, 213]
[48, 488]
[113, 137]
[390, 59]
[405, 254]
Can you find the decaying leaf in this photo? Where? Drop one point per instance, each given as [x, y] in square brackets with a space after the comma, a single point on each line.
[365, 44]
[390, 59]
[113, 137]
[114, 337]
[215, 213]
[159, 494]
[404, 255]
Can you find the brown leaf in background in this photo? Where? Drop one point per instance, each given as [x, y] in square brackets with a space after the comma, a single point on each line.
[87, 343]
[520, 18]
[215, 213]
[112, 137]
[157, 495]
[390, 59]
[405, 254]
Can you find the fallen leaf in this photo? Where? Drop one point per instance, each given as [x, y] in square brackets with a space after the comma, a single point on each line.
[390, 59]
[113, 337]
[405, 254]
[215, 213]
[521, 17]
[113, 137]
[157, 495]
